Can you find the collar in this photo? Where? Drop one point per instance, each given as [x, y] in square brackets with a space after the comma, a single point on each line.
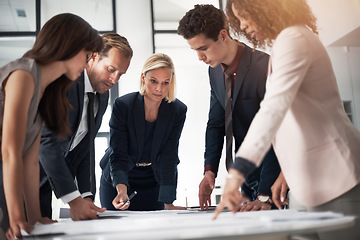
[87, 84]
[232, 69]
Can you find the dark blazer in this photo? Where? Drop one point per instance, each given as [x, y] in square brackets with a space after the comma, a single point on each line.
[60, 165]
[127, 129]
[249, 91]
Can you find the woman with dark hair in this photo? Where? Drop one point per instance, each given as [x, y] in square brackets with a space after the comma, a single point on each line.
[33, 90]
[301, 115]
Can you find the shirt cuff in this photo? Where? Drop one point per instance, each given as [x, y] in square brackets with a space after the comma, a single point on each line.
[211, 167]
[71, 196]
[86, 194]
[167, 194]
[244, 166]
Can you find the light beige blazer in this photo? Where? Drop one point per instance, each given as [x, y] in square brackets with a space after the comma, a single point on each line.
[302, 115]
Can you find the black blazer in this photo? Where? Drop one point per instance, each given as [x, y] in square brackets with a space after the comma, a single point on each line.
[127, 129]
[249, 91]
[60, 165]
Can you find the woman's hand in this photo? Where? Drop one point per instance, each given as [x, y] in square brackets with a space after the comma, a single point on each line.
[15, 229]
[279, 191]
[232, 198]
[119, 200]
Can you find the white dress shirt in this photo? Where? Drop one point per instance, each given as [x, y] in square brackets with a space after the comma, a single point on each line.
[81, 133]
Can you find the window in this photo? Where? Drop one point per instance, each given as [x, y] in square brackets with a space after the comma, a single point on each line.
[20, 22]
[192, 88]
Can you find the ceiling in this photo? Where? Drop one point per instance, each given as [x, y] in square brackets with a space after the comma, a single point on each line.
[339, 21]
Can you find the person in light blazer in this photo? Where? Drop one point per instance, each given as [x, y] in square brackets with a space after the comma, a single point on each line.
[145, 129]
[301, 115]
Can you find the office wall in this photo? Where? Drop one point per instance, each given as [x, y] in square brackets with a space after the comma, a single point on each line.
[346, 64]
[134, 23]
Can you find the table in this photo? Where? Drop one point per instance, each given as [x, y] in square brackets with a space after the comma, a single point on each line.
[269, 225]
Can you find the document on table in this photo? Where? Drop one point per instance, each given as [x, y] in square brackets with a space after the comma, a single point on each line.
[167, 223]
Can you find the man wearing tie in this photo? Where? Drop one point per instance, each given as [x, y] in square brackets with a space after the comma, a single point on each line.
[237, 78]
[67, 165]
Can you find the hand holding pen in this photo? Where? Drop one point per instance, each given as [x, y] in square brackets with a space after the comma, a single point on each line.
[130, 197]
[120, 201]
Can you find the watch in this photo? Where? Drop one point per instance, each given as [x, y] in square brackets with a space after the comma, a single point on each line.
[265, 199]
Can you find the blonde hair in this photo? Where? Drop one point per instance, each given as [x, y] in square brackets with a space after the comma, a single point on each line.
[271, 17]
[155, 61]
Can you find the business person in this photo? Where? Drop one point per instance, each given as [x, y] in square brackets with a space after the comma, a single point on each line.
[145, 129]
[301, 114]
[206, 30]
[32, 92]
[66, 160]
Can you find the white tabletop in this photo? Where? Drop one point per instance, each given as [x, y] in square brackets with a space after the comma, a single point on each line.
[274, 224]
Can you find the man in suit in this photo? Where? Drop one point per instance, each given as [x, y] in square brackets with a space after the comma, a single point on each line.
[207, 32]
[65, 163]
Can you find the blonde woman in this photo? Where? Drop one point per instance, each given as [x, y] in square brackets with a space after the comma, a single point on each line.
[145, 129]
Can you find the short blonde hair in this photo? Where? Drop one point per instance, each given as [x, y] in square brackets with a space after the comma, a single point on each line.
[155, 61]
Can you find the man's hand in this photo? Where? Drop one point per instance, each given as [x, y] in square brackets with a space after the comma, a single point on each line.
[206, 187]
[81, 209]
[172, 207]
[256, 205]
[279, 191]
[46, 220]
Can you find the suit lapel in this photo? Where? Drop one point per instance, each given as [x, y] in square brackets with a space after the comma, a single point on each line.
[161, 125]
[242, 71]
[103, 102]
[139, 122]
[75, 96]
[80, 96]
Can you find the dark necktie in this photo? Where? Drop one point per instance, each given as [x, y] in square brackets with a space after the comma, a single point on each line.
[91, 132]
[228, 119]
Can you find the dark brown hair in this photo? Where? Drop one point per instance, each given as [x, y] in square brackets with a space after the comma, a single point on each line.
[61, 38]
[203, 19]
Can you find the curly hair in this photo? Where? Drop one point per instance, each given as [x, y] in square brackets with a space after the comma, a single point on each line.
[270, 16]
[203, 19]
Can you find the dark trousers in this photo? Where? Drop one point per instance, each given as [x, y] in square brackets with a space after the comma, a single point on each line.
[146, 198]
[46, 199]
[4, 222]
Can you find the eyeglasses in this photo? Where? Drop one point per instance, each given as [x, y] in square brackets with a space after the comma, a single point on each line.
[88, 56]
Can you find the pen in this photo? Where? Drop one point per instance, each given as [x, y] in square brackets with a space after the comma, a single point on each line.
[130, 197]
